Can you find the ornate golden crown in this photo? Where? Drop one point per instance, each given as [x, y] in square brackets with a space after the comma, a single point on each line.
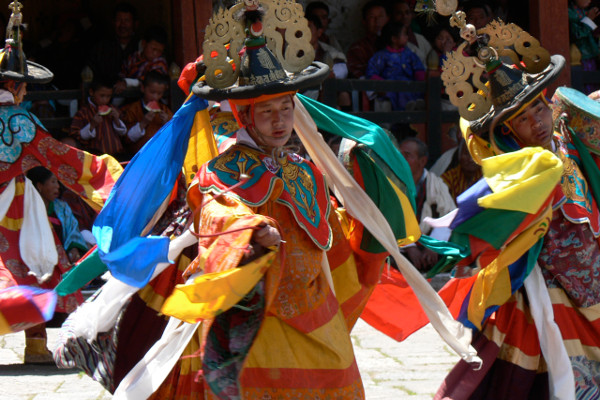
[463, 70]
[285, 30]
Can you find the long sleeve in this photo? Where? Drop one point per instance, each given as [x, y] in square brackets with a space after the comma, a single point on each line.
[71, 234]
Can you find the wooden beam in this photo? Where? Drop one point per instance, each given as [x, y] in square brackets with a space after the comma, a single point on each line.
[550, 25]
[190, 17]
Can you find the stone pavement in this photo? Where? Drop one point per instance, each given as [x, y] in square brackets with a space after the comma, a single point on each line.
[390, 370]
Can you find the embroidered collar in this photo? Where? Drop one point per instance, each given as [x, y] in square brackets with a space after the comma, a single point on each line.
[290, 180]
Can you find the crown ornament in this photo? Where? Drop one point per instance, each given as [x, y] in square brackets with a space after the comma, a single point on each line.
[476, 79]
[279, 23]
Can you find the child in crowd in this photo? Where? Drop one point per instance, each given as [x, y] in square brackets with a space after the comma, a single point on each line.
[148, 58]
[97, 125]
[443, 42]
[396, 62]
[581, 29]
[145, 117]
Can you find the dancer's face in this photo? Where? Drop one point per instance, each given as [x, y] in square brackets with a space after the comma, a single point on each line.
[273, 122]
[533, 126]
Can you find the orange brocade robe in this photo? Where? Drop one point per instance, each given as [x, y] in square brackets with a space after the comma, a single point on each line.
[300, 345]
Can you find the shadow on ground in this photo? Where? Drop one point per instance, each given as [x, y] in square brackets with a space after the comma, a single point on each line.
[34, 370]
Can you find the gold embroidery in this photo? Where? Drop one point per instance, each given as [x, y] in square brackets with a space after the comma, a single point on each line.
[297, 179]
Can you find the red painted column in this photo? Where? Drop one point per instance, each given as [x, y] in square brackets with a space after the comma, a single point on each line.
[549, 22]
[190, 17]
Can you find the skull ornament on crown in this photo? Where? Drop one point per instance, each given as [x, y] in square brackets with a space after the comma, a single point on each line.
[469, 33]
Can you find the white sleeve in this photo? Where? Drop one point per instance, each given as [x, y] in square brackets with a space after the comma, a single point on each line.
[131, 82]
[87, 132]
[340, 70]
[120, 128]
[136, 132]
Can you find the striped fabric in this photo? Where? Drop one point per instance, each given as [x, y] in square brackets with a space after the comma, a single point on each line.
[107, 141]
[136, 67]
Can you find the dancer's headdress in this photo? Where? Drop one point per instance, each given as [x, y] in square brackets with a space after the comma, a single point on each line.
[13, 64]
[258, 48]
[486, 90]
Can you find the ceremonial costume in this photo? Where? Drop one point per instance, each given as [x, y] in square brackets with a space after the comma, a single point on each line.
[530, 227]
[251, 320]
[31, 253]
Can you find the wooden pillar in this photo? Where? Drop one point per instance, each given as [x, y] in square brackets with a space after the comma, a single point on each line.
[550, 25]
[190, 17]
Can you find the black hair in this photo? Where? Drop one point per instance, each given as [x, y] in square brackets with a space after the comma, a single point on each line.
[155, 76]
[39, 174]
[316, 5]
[391, 29]
[372, 4]
[156, 33]
[315, 20]
[435, 30]
[125, 8]
[486, 7]
[101, 82]
[422, 149]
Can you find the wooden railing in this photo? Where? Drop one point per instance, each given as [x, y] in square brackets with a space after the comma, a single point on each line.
[581, 78]
[175, 96]
[433, 117]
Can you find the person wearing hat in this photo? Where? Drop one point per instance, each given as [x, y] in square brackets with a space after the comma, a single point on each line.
[531, 225]
[28, 253]
[282, 275]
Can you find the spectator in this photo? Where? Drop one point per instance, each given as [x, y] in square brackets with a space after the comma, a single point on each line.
[396, 62]
[374, 17]
[97, 125]
[148, 58]
[443, 42]
[107, 57]
[321, 10]
[433, 199]
[464, 175]
[61, 217]
[479, 13]
[402, 12]
[335, 59]
[65, 228]
[581, 28]
[146, 116]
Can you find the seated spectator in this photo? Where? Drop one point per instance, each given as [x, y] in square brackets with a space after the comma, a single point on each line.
[321, 10]
[464, 175]
[328, 55]
[396, 62]
[148, 58]
[374, 17]
[443, 42]
[433, 199]
[146, 116]
[479, 13]
[97, 125]
[84, 214]
[107, 57]
[64, 224]
[402, 12]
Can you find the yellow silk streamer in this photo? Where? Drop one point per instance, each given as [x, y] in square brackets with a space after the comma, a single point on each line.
[202, 146]
[521, 180]
[211, 294]
[493, 286]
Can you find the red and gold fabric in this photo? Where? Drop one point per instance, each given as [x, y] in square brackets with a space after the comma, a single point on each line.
[13, 268]
[301, 345]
